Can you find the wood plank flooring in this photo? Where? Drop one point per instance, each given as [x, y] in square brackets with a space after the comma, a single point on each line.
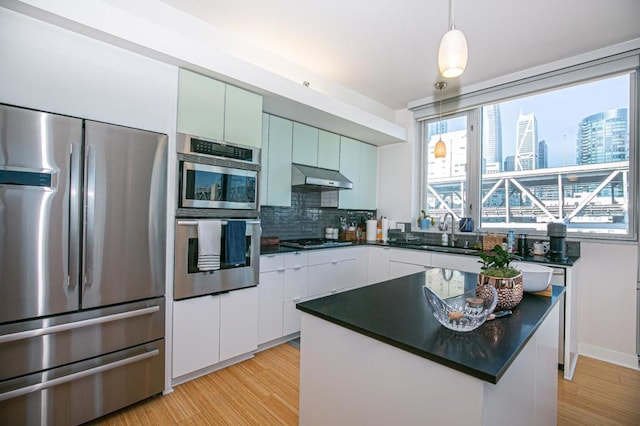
[264, 391]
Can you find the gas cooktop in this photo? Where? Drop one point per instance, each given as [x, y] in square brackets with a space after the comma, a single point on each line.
[314, 243]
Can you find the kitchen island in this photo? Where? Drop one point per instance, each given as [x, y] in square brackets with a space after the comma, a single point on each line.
[376, 355]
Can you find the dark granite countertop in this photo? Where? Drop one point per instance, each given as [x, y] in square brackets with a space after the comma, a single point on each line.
[278, 249]
[396, 312]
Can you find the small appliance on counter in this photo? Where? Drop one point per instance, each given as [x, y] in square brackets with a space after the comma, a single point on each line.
[557, 232]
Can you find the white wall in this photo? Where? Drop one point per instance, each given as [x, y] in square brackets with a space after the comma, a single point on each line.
[397, 166]
[607, 302]
[54, 70]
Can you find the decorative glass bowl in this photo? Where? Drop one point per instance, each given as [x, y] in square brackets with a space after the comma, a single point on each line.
[464, 312]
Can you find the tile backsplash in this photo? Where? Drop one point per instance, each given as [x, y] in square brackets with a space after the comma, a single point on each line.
[306, 218]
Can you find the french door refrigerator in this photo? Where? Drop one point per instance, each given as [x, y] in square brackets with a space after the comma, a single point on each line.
[82, 249]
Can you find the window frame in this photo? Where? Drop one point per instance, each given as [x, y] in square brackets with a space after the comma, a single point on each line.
[623, 64]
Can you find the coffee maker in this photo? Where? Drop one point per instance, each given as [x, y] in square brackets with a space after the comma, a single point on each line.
[557, 233]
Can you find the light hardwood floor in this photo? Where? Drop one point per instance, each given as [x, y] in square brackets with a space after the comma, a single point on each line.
[264, 391]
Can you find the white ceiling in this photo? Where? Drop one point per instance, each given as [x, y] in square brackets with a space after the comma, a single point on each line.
[387, 50]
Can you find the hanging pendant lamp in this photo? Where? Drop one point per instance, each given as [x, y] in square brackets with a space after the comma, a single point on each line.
[453, 52]
[440, 150]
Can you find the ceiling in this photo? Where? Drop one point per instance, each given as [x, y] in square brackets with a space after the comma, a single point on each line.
[387, 51]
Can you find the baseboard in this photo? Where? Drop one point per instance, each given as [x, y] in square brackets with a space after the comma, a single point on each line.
[210, 369]
[607, 355]
[277, 342]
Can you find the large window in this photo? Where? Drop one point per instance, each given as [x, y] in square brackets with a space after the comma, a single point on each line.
[565, 154]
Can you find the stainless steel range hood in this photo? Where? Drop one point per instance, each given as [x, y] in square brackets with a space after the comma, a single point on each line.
[317, 179]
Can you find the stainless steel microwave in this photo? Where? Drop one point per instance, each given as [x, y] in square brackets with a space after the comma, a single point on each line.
[217, 179]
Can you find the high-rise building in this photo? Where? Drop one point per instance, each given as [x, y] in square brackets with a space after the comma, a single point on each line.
[491, 139]
[542, 160]
[509, 163]
[526, 142]
[603, 137]
[455, 162]
[438, 128]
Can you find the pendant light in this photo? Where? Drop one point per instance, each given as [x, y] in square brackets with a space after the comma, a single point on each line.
[440, 150]
[453, 52]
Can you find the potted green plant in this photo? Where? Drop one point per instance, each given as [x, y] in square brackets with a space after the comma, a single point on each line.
[497, 271]
[425, 221]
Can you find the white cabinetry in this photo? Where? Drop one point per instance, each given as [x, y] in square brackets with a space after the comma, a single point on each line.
[210, 329]
[215, 110]
[462, 263]
[305, 144]
[407, 262]
[378, 264]
[238, 322]
[328, 150]
[276, 170]
[196, 329]
[271, 293]
[331, 271]
[295, 289]
[359, 163]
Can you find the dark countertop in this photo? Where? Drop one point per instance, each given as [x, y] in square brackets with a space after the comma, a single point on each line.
[396, 312]
[267, 250]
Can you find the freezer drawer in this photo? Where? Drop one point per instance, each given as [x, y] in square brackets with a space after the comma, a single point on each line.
[47, 343]
[80, 392]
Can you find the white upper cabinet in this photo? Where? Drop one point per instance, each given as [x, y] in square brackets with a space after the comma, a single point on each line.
[215, 110]
[359, 163]
[200, 105]
[328, 150]
[277, 172]
[305, 144]
[242, 117]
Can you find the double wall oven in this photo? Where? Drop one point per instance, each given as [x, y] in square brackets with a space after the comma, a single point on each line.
[217, 185]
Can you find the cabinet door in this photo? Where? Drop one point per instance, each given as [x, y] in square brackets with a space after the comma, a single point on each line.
[196, 334]
[295, 289]
[200, 105]
[378, 264]
[242, 117]
[350, 167]
[270, 291]
[238, 322]
[279, 172]
[264, 160]
[458, 262]
[367, 179]
[305, 144]
[328, 150]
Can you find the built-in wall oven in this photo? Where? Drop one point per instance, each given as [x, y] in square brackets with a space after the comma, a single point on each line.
[217, 191]
[217, 179]
[190, 281]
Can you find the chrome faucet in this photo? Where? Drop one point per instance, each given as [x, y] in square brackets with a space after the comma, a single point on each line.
[452, 237]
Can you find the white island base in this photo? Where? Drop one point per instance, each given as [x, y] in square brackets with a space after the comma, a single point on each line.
[347, 378]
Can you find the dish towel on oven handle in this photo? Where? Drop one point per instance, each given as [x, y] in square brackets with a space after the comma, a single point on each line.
[209, 237]
[235, 242]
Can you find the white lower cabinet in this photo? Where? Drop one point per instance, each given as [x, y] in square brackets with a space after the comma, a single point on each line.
[378, 269]
[210, 329]
[196, 330]
[238, 322]
[458, 262]
[331, 271]
[295, 289]
[407, 262]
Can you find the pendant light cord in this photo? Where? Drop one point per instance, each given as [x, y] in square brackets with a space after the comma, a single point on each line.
[451, 16]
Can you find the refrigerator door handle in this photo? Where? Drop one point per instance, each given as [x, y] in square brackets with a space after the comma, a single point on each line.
[75, 188]
[90, 215]
[77, 324]
[76, 376]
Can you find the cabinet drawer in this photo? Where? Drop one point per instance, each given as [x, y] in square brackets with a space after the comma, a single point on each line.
[295, 260]
[410, 256]
[319, 257]
[271, 262]
[295, 283]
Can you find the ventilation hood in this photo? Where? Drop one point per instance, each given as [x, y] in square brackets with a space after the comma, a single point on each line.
[317, 179]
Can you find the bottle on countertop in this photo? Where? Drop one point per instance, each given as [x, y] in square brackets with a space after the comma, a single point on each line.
[511, 242]
[445, 239]
[379, 231]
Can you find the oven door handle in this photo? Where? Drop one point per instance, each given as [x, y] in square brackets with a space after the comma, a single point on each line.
[224, 222]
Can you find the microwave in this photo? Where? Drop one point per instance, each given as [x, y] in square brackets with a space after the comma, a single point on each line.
[217, 179]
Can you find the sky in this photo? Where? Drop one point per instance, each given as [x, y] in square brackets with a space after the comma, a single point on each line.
[558, 114]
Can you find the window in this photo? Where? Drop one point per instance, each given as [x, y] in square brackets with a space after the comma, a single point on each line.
[561, 154]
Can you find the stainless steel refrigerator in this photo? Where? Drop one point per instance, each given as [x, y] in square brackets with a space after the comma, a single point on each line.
[82, 249]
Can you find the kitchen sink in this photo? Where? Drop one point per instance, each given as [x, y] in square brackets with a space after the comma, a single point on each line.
[440, 249]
